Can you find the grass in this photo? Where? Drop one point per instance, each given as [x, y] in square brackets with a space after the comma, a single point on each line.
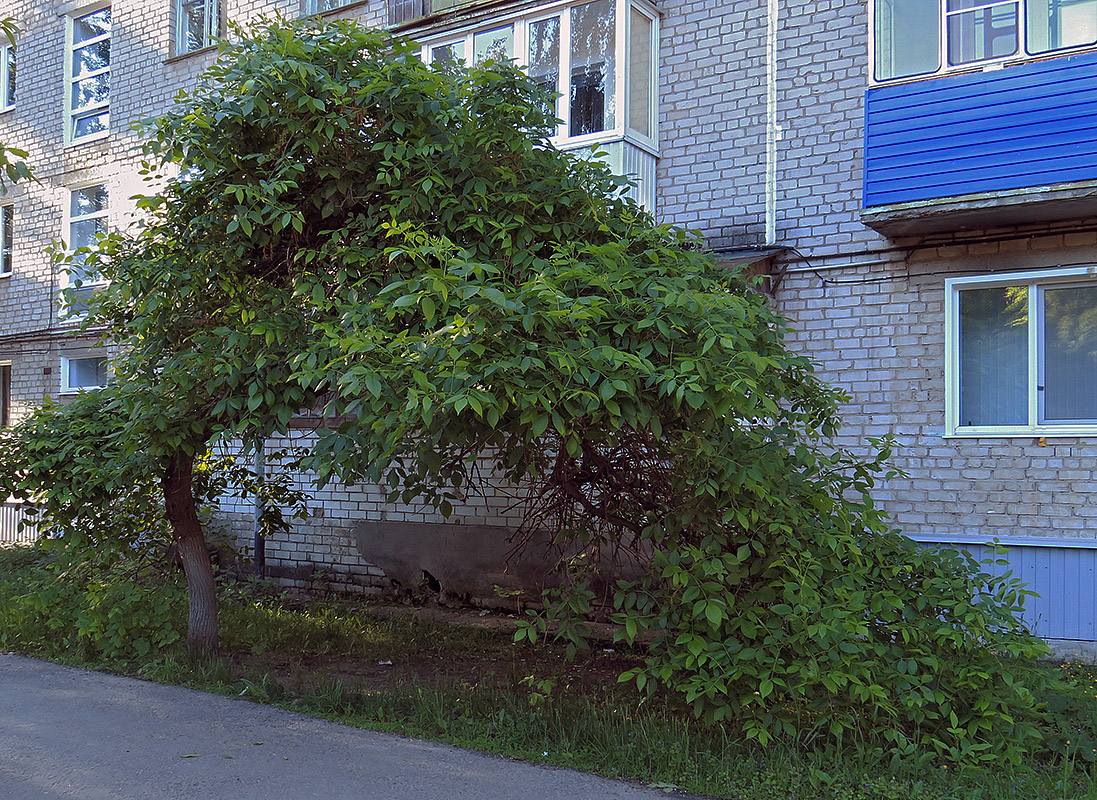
[471, 686]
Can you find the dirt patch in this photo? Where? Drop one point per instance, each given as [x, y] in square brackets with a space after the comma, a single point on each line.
[601, 633]
[498, 663]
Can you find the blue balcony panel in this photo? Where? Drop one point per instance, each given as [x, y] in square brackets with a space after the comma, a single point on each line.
[1025, 127]
[1003, 142]
[1062, 572]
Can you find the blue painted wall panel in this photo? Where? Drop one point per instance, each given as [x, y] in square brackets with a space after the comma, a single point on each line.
[1065, 580]
[1023, 126]
[996, 150]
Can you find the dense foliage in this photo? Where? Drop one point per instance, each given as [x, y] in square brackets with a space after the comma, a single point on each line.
[467, 686]
[99, 585]
[400, 245]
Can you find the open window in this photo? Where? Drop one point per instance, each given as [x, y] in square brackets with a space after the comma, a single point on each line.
[599, 56]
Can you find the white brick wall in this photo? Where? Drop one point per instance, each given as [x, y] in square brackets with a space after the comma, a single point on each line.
[883, 343]
[876, 330]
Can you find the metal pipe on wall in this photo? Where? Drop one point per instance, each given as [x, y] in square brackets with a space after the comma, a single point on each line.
[260, 560]
[773, 130]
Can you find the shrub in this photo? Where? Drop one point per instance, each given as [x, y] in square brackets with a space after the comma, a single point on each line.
[80, 606]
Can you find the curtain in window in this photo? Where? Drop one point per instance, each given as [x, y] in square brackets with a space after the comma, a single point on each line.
[1070, 354]
[994, 356]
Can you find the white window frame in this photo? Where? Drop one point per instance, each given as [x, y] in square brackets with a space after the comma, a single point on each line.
[73, 114]
[66, 371]
[212, 9]
[313, 6]
[1020, 56]
[65, 279]
[7, 211]
[521, 20]
[7, 98]
[1037, 282]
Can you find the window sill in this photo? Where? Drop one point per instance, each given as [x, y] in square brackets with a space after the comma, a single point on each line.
[589, 140]
[95, 137]
[78, 389]
[990, 65]
[1058, 432]
[175, 59]
[949, 539]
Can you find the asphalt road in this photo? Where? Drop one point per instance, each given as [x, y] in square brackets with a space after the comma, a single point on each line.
[71, 733]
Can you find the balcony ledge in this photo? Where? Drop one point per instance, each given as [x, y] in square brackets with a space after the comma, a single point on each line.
[983, 210]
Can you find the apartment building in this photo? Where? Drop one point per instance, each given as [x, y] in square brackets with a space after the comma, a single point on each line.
[917, 177]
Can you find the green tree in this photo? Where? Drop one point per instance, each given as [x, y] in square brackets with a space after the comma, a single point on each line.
[400, 245]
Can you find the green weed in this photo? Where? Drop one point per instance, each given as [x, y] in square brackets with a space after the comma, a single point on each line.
[534, 710]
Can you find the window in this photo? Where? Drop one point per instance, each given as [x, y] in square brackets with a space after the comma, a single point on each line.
[599, 56]
[957, 34]
[7, 77]
[1022, 353]
[401, 11]
[198, 23]
[7, 233]
[320, 6]
[5, 395]
[83, 372]
[88, 72]
[493, 45]
[87, 221]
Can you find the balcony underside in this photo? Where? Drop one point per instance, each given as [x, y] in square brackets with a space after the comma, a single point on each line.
[985, 210]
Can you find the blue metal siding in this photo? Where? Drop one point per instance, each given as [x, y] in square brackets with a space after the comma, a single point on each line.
[1065, 578]
[1023, 126]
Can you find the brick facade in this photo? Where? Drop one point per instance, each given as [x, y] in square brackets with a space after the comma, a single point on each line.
[867, 308]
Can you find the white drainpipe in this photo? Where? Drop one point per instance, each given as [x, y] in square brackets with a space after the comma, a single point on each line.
[773, 130]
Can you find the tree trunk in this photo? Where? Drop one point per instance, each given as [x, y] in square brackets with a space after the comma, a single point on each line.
[201, 591]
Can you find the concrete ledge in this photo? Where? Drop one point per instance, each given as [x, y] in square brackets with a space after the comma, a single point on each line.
[985, 210]
[1005, 541]
[456, 560]
[1072, 650]
[465, 561]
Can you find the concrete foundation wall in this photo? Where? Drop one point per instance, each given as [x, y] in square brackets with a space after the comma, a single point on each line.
[333, 544]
